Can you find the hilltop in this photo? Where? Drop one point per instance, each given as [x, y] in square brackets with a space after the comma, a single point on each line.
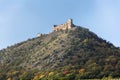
[68, 54]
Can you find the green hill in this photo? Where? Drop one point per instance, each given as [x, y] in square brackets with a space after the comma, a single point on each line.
[71, 54]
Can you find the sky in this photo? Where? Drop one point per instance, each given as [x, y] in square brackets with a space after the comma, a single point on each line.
[24, 19]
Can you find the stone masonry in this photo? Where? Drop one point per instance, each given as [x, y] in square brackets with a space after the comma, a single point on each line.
[68, 25]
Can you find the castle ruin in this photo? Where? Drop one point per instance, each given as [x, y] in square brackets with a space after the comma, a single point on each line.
[68, 25]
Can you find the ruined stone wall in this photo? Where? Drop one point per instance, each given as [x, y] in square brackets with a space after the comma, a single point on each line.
[67, 25]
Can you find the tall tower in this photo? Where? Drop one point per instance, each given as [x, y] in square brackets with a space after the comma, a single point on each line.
[70, 23]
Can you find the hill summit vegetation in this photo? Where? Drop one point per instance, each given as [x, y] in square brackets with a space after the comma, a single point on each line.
[70, 54]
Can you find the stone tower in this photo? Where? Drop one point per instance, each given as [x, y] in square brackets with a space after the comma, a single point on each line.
[70, 23]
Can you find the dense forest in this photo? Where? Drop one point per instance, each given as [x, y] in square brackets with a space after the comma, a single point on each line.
[61, 55]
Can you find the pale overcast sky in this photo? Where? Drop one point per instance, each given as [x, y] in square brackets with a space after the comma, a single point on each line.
[23, 19]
